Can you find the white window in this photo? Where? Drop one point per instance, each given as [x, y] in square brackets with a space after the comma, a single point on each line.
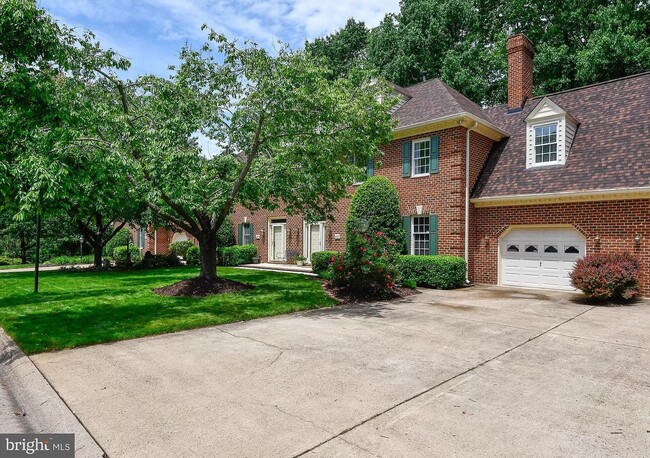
[247, 235]
[141, 237]
[546, 144]
[421, 157]
[420, 235]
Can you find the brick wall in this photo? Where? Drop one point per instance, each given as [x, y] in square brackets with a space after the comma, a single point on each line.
[441, 193]
[520, 70]
[615, 222]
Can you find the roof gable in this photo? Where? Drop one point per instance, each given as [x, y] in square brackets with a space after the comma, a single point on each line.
[547, 109]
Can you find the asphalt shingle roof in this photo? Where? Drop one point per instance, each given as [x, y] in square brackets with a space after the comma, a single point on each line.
[611, 148]
[433, 99]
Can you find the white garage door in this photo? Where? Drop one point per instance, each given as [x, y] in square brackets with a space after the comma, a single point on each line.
[540, 258]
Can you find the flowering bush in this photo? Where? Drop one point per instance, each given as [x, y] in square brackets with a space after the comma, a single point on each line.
[607, 276]
[368, 266]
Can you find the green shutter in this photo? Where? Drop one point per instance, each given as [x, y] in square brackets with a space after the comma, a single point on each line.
[433, 234]
[406, 158]
[252, 232]
[435, 141]
[240, 234]
[371, 167]
[406, 224]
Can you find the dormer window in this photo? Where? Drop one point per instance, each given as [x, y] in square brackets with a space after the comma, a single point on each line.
[549, 135]
[546, 144]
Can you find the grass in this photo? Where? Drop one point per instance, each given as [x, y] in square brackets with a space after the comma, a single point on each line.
[85, 308]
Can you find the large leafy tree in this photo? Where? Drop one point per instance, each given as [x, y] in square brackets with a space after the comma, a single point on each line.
[285, 132]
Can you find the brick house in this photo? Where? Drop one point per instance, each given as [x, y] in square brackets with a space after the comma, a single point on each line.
[521, 191]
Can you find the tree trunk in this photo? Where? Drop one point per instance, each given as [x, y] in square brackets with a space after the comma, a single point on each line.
[208, 247]
[23, 247]
[97, 254]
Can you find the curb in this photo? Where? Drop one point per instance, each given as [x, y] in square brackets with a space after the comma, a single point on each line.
[31, 405]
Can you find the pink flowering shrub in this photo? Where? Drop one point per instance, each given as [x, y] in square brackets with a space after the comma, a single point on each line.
[368, 266]
[608, 276]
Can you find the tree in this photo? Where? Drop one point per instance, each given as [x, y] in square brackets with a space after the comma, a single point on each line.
[277, 119]
[342, 49]
[376, 203]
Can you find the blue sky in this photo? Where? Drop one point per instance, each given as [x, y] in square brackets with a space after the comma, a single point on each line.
[150, 32]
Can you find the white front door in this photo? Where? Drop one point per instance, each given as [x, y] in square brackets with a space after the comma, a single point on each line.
[540, 258]
[278, 245]
[314, 239]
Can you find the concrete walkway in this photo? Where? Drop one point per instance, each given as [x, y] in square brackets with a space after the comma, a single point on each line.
[29, 404]
[290, 268]
[483, 371]
[42, 268]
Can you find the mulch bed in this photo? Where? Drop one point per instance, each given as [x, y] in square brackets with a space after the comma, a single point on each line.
[345, 296]
[200, 287]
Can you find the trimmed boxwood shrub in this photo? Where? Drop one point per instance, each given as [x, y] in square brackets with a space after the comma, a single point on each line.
[193, 256]
[236, 255]
[180, 247]
[321, 261]
[153, 261]
[377, 202]
[607, 276]
[119, 239]
[441, 272]
[119, 254]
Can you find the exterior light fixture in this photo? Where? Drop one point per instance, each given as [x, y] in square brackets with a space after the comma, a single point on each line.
[597, 239]
[637, 239]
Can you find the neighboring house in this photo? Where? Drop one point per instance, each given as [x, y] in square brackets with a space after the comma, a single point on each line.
[521, 190]
[156, 240]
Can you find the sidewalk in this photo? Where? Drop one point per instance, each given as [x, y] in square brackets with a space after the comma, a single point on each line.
[290, 268]
[42, 268]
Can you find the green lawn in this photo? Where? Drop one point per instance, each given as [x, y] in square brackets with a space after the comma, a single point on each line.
[75, 309]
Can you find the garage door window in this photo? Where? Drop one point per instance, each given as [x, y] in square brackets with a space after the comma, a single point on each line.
[531, 249]
[513, 248]
[550, 249]
[571, 249]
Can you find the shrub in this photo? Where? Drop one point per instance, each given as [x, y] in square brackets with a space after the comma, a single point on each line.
[226, 234]
[368, 266]
[442, 272]
[119, 254]
[63, 260]
[377, 202]
[5, 261]
[236, 255]
[180, 247]
[152, 261]
[193, 256]
[607, 276]
[118, 240]
[321, 260]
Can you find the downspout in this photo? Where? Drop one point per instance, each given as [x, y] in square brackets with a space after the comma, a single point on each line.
[467, 177]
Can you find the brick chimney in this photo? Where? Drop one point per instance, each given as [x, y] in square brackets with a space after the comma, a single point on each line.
[520, 70]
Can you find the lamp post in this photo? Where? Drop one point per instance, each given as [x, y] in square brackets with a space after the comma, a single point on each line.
[81, 248]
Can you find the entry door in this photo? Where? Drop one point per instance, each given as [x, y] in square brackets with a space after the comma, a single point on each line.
[278, 245]
[315, 239]
[540, 258]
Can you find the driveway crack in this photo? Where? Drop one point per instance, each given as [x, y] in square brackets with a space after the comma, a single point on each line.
[454, 377]
[254, 340]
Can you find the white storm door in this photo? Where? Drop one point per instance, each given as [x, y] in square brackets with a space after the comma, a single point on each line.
[278, 245]
[315, 239]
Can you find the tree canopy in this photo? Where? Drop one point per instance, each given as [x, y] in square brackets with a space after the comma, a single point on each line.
[577, 42]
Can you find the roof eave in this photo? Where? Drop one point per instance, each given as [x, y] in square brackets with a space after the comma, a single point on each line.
[594, 195]
[463, 119]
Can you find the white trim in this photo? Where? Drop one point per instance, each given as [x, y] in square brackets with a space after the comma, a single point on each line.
[594, 195]
[428, 222]
[460, 116]
[560, 158]
[413, 142]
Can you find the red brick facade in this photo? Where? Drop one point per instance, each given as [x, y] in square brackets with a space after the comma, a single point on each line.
[520, 70]
[617, 223]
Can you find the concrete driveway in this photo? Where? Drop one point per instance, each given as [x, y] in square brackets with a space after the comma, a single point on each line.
[483, 371]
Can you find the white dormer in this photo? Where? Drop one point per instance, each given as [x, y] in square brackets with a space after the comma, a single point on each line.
[549, 134]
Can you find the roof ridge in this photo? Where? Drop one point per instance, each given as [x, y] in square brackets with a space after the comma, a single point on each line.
[600, 83]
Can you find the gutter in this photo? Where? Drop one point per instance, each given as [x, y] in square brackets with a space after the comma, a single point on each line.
[592, 195]
[467, 177]
[460, 116]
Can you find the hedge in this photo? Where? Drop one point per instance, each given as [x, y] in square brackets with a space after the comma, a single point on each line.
[180, 247]
[441, 272]
[236, 255]
[193, 256]
[605, 276]
[153, 261]
[119, 254]
[321, 261]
